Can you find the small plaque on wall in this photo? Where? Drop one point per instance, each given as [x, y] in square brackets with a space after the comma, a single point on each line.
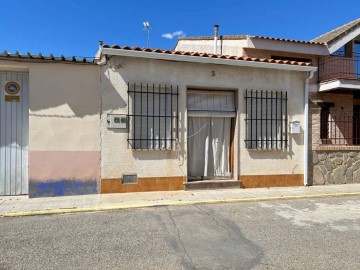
[12, 90]
[12, 98]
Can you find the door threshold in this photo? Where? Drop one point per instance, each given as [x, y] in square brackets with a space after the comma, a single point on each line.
[208, 179]
[212, 184]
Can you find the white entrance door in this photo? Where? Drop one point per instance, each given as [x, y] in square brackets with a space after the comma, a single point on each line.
[208, 147]
[14, 130]
[209, 134]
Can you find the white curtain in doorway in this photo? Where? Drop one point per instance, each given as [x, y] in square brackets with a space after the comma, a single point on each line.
[208, 146]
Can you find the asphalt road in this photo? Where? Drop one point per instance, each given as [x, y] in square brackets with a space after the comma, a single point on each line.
[293, 234]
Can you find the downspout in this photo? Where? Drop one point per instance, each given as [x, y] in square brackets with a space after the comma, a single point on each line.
[306, 130]
[216, 33]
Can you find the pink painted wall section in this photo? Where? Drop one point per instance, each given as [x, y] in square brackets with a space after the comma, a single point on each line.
[56, 165]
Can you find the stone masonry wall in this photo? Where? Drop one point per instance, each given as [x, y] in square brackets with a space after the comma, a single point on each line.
[334, 167]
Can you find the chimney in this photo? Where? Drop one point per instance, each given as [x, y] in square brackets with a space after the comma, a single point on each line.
[216, 34]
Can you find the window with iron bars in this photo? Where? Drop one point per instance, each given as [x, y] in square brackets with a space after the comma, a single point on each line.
[266, 120]
[153, 116]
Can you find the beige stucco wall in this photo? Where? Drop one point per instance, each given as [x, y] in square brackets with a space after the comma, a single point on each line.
[118, 158]
[64, 105]
[64, 121]
[225, 47]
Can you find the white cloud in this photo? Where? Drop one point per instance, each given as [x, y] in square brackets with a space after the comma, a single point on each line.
[174, 34]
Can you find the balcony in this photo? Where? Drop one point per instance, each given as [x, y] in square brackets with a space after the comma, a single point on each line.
[339, 73]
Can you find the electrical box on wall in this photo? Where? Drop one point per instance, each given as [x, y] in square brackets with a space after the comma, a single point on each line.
[295, 127]
[117, 121]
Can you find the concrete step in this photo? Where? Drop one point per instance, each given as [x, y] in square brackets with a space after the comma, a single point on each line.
[211, 184]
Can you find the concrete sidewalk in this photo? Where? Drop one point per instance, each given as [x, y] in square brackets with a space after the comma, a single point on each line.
[23, 206]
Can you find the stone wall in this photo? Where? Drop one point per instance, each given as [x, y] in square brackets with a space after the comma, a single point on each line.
[334, 167]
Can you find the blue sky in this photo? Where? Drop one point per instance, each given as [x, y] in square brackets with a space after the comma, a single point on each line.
[74, 27]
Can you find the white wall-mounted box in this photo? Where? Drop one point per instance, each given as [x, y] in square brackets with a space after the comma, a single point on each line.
[117, 121]
[295, 127]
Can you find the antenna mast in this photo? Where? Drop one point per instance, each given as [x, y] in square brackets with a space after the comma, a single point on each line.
[147, 27]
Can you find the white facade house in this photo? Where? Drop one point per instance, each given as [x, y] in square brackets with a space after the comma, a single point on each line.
[200, 120]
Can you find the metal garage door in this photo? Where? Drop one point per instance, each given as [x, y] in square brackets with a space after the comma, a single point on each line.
[14, 126]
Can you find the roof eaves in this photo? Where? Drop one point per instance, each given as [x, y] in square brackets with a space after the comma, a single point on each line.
[337, 33]
[198, 55]
[288, 40]
[221, 37]
[241, 37]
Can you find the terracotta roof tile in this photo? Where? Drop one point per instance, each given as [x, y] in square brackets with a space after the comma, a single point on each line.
[230, 37]
[208, 55]
[337, 33]
[241, 37]
[288, 40]
[49, 59]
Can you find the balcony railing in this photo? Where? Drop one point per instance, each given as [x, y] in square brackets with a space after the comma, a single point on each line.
[339, 67]
[339, 129]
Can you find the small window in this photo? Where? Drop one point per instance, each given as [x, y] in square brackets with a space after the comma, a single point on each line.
[325, 120]
[266, 119]
[340, 52]
[153, 116]
[324, 123]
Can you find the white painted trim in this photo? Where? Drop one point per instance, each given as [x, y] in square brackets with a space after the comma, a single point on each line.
[341, 42]
[204, 60]
[306, 129]
[286, 46]
[342, 83]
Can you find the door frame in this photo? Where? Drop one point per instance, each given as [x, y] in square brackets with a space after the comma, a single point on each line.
[21, 167]
[233, 151]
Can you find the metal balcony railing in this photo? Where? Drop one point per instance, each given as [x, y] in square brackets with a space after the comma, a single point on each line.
[339, 67]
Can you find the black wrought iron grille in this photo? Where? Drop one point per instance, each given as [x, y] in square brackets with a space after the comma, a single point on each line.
[266, 119]
[153, 113]
[339, 129]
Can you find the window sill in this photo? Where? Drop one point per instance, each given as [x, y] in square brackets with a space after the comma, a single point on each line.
[153, 150]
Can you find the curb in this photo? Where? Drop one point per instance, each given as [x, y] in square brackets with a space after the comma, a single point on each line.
[172, 203]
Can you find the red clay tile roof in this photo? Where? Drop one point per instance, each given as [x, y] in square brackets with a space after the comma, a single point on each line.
[225, 37]
[240, 37]
[337, 33]
[40, 58]
[208, 55]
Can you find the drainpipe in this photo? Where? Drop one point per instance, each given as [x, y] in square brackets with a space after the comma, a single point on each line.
[216, 32]
[306, 130]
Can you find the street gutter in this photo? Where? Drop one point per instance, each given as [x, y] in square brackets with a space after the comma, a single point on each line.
[172, 203]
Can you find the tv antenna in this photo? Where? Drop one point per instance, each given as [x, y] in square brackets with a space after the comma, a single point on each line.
[147, 27]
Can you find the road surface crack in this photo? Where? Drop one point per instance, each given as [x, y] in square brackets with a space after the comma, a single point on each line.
[179, 238]
[212, 216]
